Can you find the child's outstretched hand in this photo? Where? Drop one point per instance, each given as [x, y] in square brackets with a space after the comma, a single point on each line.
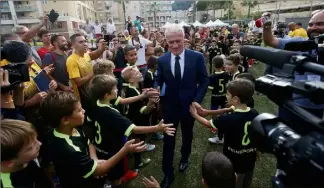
[193, 111]
[150, 92]
[150, 182]
[166, 128]
[203, 112]
[130, 147]
[154, 100]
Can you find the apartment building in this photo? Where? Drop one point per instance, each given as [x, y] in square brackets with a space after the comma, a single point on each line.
[163, 12]
[19, 13]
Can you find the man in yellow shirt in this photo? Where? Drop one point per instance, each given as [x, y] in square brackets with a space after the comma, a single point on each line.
[296, 31]
[79, 65]
[303, 32]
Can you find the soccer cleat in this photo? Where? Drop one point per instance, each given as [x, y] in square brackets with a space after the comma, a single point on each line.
[150, 147]
[144, 162]
[130, 175]
[215, 140]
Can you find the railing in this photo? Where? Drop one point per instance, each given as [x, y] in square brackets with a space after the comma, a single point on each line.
[24, 8]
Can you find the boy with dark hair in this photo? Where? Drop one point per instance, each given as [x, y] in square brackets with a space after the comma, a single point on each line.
[158, 51]
[217, 171]
[130, 55]
[237, 145]
[45, 37]
[217, 83]
[250, 77]
[232, 63]
[103, 66]
[112, 127]
[149, 76]
[213, 51]
[74, 157]
[19, 152]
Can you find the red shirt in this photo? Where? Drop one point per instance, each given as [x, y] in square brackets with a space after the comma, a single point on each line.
[42, 51]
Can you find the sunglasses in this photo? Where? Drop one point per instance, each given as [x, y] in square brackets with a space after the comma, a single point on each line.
[121, 36]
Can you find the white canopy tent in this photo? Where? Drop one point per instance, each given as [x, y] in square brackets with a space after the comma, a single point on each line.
[220, 23]
[198, 24]
[184, 24]
[165, 25]
[251, 24]
[210, 24]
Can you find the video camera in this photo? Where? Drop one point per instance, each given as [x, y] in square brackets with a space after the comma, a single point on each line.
[16, 53]
[298, 148]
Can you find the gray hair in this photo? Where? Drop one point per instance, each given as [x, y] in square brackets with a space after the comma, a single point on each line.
[235, 25]
[173, 28]
[80, 31]
[18, 28]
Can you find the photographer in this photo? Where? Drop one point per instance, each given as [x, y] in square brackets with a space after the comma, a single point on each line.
[11, 100]
[315, 28]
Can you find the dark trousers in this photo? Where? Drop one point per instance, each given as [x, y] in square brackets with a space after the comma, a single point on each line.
[187, 123]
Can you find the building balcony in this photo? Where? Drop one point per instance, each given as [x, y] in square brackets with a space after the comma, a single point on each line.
[25, 8]
[6, 22]
[27, 20]
[4, 9]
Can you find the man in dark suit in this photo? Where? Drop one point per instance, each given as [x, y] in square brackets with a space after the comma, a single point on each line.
[185, 75]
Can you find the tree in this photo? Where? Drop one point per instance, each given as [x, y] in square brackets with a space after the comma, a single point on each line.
[202, 5]
[228, 5]
[215, 5]
[122, 2]
[250, 4]
[154, 8]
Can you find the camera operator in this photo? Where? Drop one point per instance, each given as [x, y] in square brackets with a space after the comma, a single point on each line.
[11, 101]
[315, 28]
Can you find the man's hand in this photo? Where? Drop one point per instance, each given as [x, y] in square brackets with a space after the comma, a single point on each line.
[166, 128]
[49, 69]
[197, 106]
[150, 183]
[193, 111]
[39, 97]
[45, 19]
[52, 85]
[130, 147]
[4, 78]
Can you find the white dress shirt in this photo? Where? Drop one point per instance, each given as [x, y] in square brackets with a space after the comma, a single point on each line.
[140, 52]
[181, 61]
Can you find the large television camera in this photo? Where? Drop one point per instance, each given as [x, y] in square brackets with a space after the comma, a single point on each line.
[15, 53]
[298, 148]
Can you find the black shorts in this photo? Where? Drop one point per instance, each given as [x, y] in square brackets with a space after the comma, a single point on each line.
[218, 101]
[117, 171]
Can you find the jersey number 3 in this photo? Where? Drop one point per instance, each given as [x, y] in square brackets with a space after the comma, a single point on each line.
[245, 139]
[98, 138]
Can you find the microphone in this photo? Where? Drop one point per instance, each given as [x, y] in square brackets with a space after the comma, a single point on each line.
[274, 57]
[15, 51]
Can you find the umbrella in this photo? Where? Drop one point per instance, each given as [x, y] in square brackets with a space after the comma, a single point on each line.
[197, 24]
[210, 24]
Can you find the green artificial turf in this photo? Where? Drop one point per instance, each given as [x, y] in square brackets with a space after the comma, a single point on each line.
[264, 169]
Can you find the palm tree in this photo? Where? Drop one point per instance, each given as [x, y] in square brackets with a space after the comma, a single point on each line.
[250, 4]
[154, 8]
[122, 2]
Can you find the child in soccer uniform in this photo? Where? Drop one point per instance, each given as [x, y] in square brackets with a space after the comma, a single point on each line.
[241, 67]
[237, 146]
[74, 157]
[217, 83]
[138, 112]
[250, 77]
[149, 76]
[213, 51]
[113, 128]
[232, 63]
[19, 152]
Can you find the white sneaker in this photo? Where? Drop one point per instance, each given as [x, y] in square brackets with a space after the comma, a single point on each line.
[150, 147]
[215, 140]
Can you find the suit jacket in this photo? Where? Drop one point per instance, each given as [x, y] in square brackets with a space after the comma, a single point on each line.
[194, 82]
